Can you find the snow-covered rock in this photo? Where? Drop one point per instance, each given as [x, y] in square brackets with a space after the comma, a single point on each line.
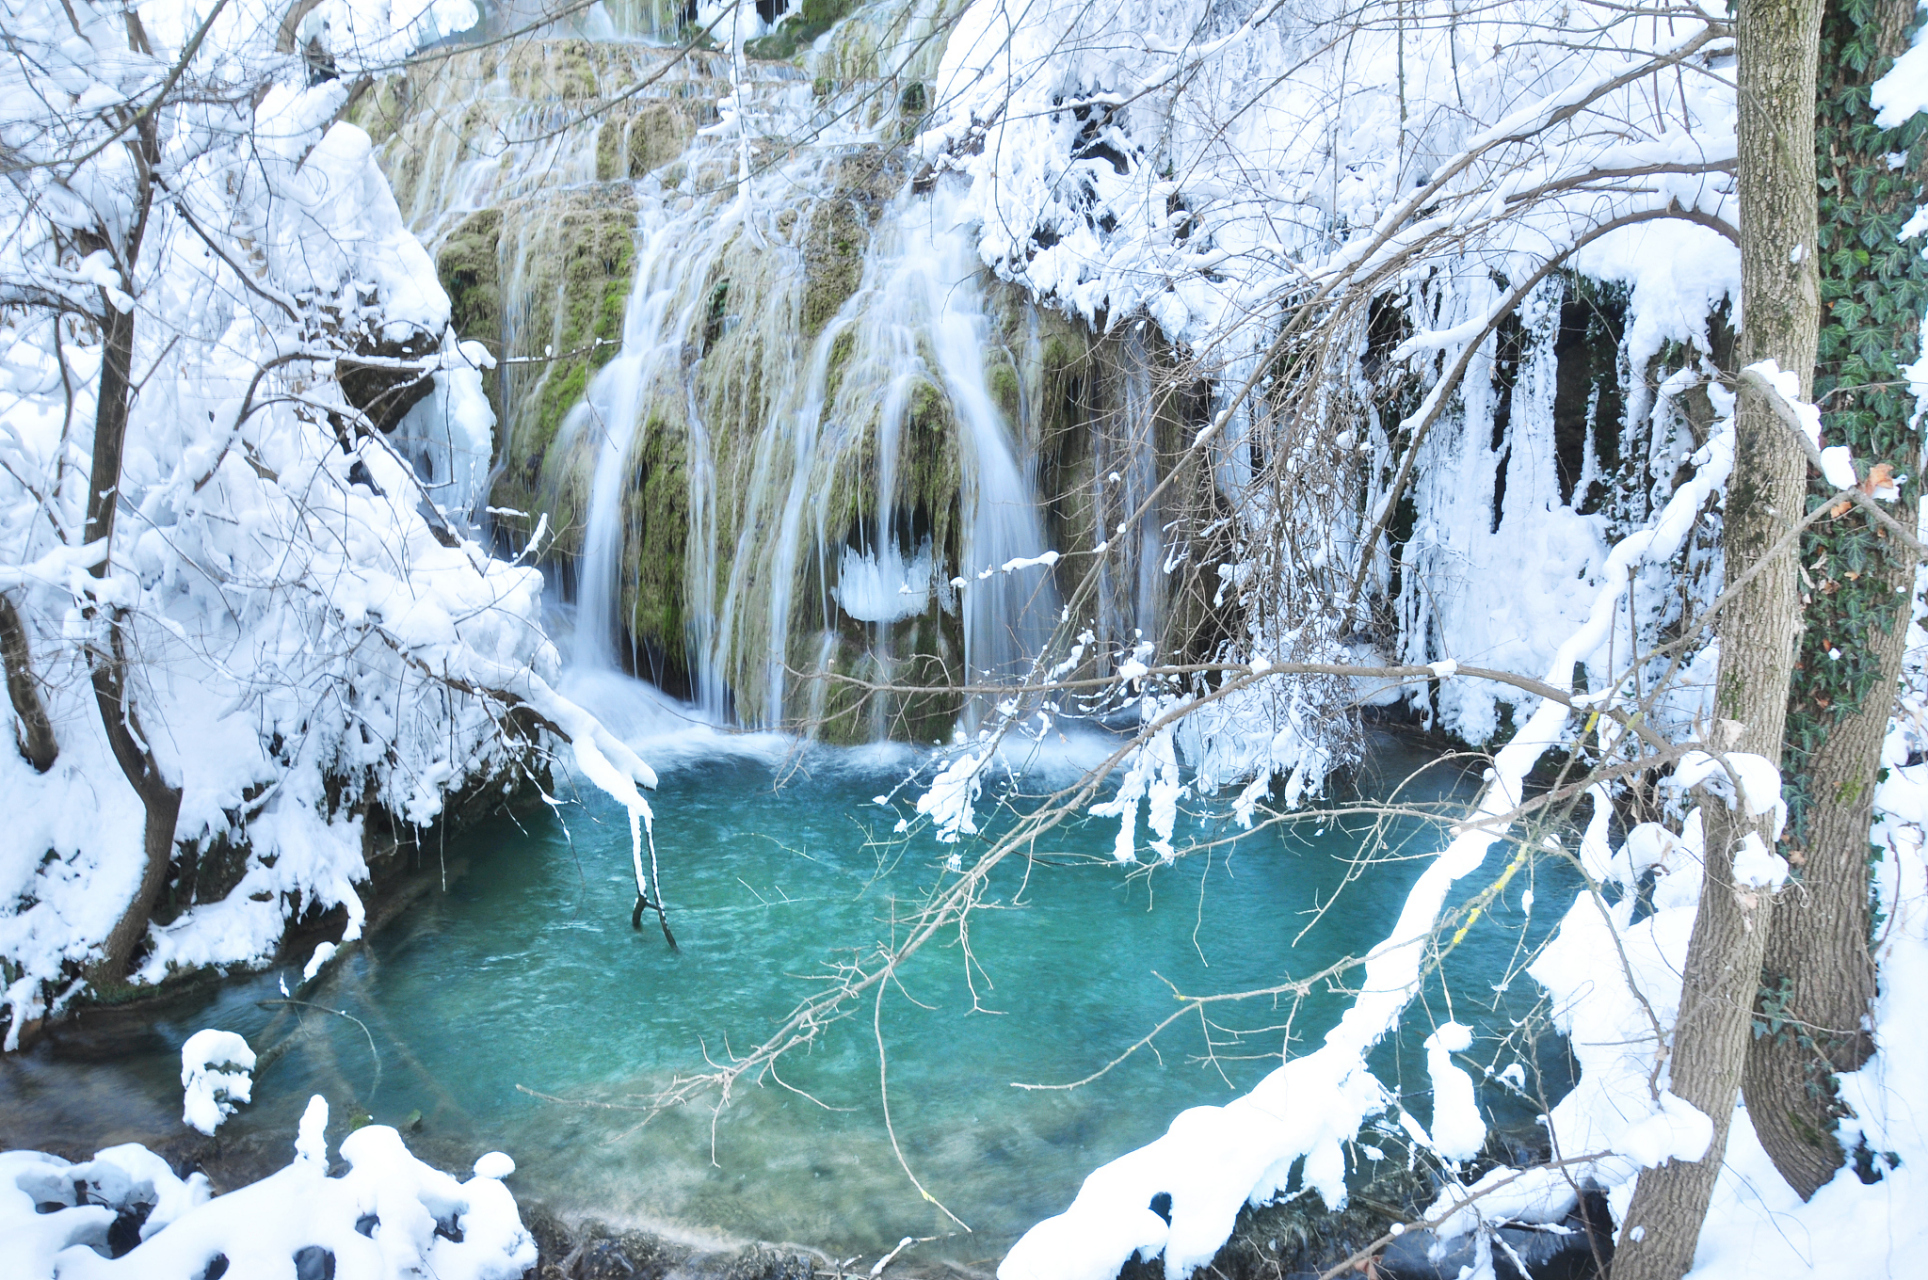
[216, 1075]
[386, 1216]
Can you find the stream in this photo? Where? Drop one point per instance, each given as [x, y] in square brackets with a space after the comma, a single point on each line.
[518, 1010]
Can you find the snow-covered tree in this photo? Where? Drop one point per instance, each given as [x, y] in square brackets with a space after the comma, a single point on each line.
[249, 638]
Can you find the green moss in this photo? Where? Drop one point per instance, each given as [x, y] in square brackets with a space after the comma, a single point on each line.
[656, 547]
[609, 149]
[578, 260]
[550, 69]
[572, 70]
[834, 253]
[658, 134]
[838, 363]
[800, 30]
[838, 232]
[930, 472]
[468, 264]
[1006, 392]
[380, 112]
[912, 105]
[840, 712]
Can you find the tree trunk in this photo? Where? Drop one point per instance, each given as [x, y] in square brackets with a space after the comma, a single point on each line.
[35, 734]
[1780, 300]
[1819, 974]
[110, 428]
[160, 800]
[1709, 1046]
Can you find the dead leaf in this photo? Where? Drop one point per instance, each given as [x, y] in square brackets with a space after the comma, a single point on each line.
[1881, 482]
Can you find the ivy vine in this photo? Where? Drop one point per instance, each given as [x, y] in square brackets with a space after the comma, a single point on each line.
[1874, 288]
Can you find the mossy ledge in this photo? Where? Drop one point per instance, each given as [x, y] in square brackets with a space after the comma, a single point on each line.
[571, 258]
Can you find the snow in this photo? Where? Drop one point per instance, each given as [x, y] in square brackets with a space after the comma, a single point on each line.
[324, 952]
[1837, 467]
[1458, 1130]
[311, 635]
[881, 586]
[1904, 90]
[1760, 781]
[449, 437]
[948, 801]
[424, 1221]
[1757, 867]
[1757, 1226]
[216, 1069]
[494, 1164]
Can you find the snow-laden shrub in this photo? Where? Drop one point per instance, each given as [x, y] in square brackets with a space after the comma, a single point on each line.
[1365, 227]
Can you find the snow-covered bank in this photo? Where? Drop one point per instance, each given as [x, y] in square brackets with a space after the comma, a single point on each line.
[385, 1216]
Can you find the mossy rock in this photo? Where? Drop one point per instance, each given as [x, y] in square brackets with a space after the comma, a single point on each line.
[800, 30]
[838, 233]
[577, 266]
[930, 473]
[659, 134]
[834, 246]
[469, 267]
[655, 551]
[380, 112]
[570, 69]
[1007, 391]
[609, 147]
[633, 144]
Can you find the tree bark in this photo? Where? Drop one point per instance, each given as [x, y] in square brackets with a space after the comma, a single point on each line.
[1819, 973]
[1780, 300]
[161, 801]
[35, 733]
[132, 750]
[1709, 1046]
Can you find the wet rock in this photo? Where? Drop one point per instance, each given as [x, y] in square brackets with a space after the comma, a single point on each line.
[1577, 1247]
[385, 379]
[314, 1263]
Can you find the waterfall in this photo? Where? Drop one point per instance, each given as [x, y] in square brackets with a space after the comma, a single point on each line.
[916, 318]
[1009, 614]
[788, 432]
[612, 415]
[1131, 584]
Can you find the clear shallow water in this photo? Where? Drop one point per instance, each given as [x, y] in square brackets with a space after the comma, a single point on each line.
[526, 975]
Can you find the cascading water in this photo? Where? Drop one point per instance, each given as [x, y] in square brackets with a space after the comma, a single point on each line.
[611, 416]
[1008, 610]
[811, 455]
[1130, 585]
[917, 319]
